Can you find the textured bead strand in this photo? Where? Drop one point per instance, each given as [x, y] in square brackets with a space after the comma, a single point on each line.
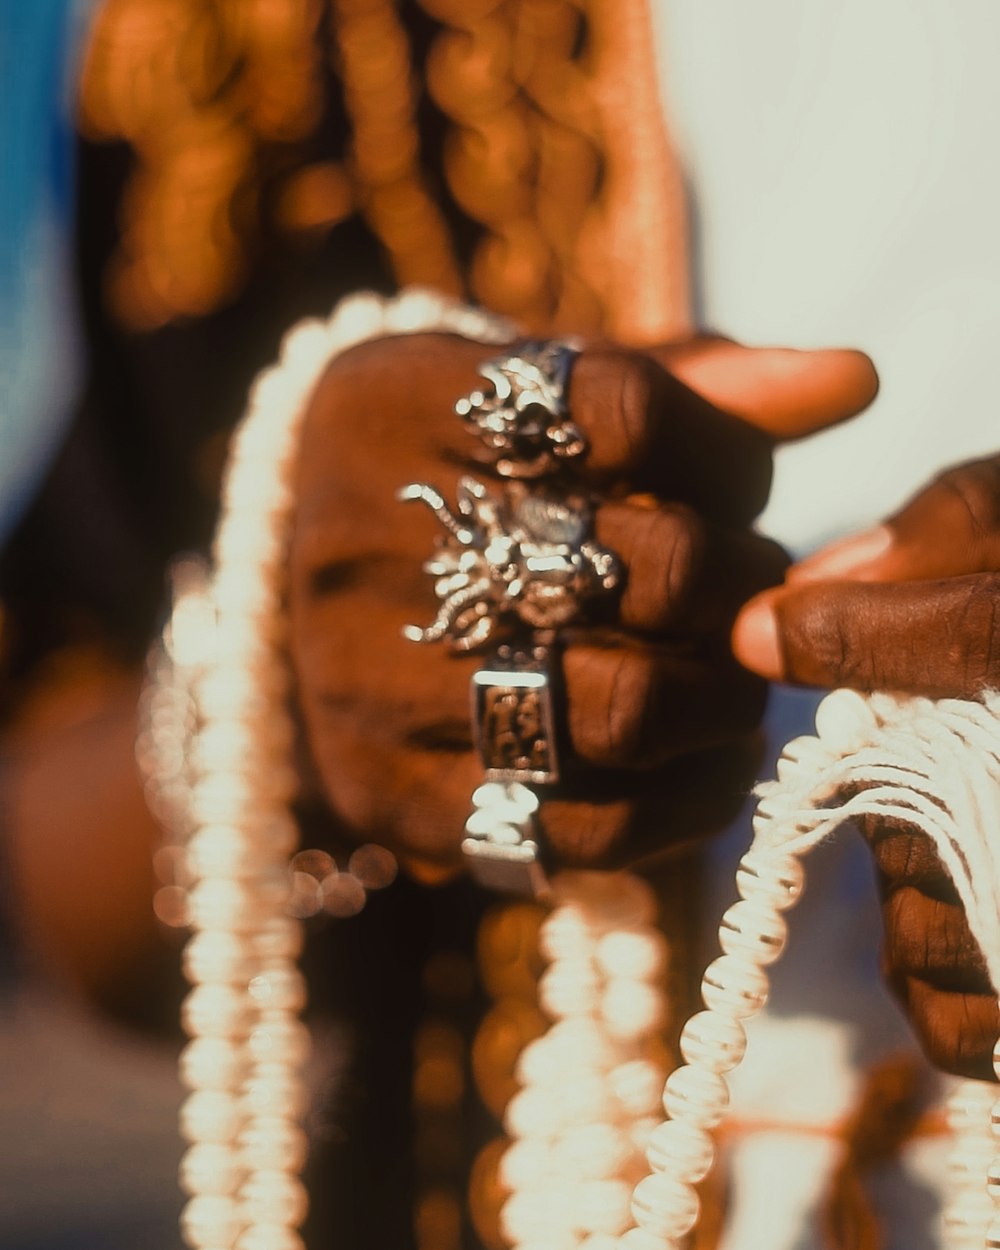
[247, 1050]
[680, 1152]
[969, 1208]
[588, 1084]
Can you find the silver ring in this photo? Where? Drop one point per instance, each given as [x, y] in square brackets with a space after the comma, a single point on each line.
[522, 419]
[511, 555]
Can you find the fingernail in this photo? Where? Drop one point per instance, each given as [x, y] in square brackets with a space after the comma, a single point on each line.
[755, 639]
[845, 558]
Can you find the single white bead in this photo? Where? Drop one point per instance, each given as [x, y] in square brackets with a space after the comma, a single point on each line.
[753, 930]
[732, 986]
[585, 1097]
[229, 746]
[270, 1237]
[600, 1206]
[229, 692]
[665, 1207]
[488, 793]
[210, 1115]
[484, 819]
[281, 988]
[273, 1197]
[569, 987]
[610, 900]
[970, 1106]
[632, 1010]
[996, 1059]
[210, 1220]
[638, 1086]
[566, 934]
[538, 1062]
[713, 1041]
[215, 1011]
[537, 1214]
[581, 1042]
[223, 796]
[844, 721]
[993, 1181]
[970, 1214]
[218, 956]
[696, 1096]
[642, 1129]
[539, 1111]
[639, 954]
[969, 1161]
[272, 1142]
[210, 1168]
[593, 1151]
[305, 349]
[246, 549]
[527, 1161]
[212, 1063]
[220, 850]
[532, 1112]
[273, 1091]
[279, 937]
[802, 758]
[280, 1038]
[771, 875]
[220, 903]
[681, 1149]
[773, 820]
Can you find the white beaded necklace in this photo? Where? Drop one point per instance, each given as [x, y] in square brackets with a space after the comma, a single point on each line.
[591, 1165]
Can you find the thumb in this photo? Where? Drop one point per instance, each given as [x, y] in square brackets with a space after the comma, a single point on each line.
[783, 392]
[937, 638]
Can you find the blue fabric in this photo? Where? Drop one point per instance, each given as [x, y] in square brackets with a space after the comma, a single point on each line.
[39, 356]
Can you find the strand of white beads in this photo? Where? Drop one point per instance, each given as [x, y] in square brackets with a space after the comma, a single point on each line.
[900, 752]
[968, 1210]
[735, 986]
[590, 1086]
[993, 1175]
[243, 1064]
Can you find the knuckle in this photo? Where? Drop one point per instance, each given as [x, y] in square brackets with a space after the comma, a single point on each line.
[675, 548]
[957, 1030]
[619, 734]
[974, 646]
[974, 488]
[632, 400]
[909, 921]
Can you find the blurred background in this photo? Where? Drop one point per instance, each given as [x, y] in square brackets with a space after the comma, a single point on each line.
[183, 179]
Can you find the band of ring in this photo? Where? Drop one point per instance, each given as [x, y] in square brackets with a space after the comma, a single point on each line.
[522, 418]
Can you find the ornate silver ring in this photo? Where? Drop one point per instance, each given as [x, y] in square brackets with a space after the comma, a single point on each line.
[516, 561]
[522, 417]
[510, 555]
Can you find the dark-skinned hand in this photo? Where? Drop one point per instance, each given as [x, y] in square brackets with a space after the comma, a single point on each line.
[660, 719]
[909, 606]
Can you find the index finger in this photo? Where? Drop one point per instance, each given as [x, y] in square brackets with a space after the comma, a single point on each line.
[645, 430]
[649, 429]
